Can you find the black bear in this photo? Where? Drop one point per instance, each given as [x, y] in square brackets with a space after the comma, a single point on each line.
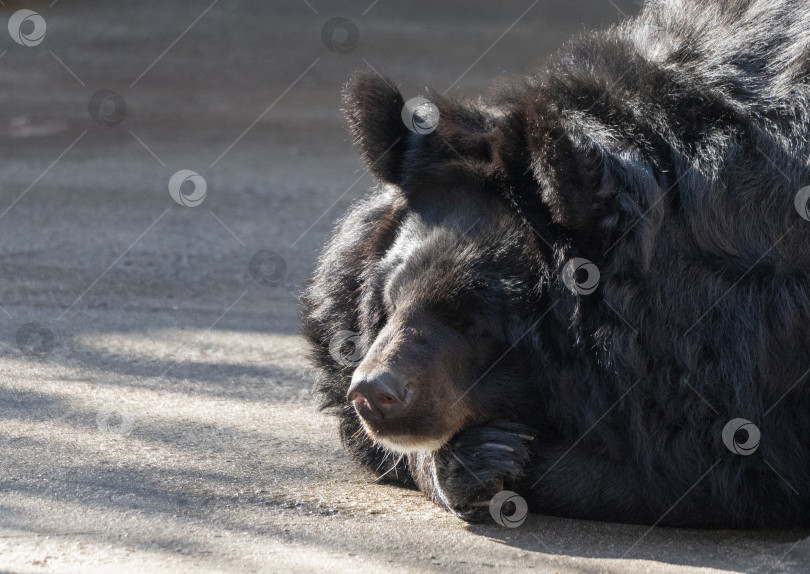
[591, 288]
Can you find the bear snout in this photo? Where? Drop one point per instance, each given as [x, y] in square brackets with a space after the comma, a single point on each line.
[380, 396]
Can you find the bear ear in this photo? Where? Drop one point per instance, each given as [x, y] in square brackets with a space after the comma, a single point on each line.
[568, 169]
[373, 108]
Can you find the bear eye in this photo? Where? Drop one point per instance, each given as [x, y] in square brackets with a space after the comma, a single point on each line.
[460, 322]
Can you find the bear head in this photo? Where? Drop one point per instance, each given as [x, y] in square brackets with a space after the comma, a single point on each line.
[443, 272]
[445, 306]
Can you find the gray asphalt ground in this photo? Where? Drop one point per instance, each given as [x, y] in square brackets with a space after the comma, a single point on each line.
[158, 418]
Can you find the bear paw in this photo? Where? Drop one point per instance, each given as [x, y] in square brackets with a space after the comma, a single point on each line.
[478, 463]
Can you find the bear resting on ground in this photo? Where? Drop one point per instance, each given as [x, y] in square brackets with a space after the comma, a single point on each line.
[593, 287]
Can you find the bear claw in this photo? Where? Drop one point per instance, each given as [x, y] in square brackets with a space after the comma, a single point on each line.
[505, 447]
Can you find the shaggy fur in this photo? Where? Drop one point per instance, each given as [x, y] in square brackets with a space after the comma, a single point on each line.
[667, 151]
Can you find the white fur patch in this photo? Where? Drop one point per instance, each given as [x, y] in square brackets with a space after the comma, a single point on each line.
[409, 445]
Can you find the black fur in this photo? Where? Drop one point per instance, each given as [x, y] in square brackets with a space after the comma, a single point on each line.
[667, 151]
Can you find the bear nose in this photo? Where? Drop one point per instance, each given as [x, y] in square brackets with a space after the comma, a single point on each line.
[378, 397]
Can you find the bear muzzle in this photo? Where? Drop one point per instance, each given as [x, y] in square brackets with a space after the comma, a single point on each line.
[379, 396]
